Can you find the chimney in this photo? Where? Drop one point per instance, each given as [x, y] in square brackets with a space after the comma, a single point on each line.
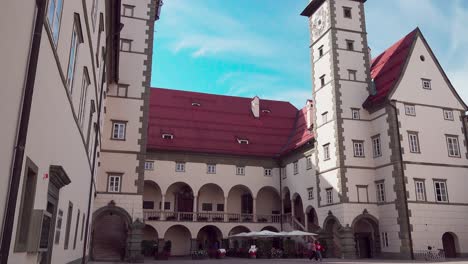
[255, 106]
[309, 115]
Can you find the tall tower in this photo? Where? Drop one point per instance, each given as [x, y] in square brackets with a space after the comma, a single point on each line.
[341, 81]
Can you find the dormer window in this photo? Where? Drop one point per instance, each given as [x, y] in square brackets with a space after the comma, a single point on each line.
[167, 136]
[266, 111]
[196, 104]
[243, 141]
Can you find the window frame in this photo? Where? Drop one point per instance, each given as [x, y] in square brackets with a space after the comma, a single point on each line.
[126, 41]
[322, 80]
[68, 225]
[116, 188]
[296, 167]
[211, 165]
[449, 117]
[151, 167]
[124, 88]
[350, 45]
[455, 146]
[119, 123]
[352, 75]
[218, 205]
[444, 182]
[50, 24]
[240, 170]
[324, 117]
[410, 109]
[58, 226]
[205, 206]
[329, 195]
[347, 12]
[268, 172]
[356, 149]
[75, 41]
[180, 166]
[376, 146]
[310, 193]
[425, 81]
[422, 182]
[128, 7]
[320, 50]
[326, 151]
[85, 83]
[380, 191]
[94, 12]
[385, 240]
[416, 147]
[366, 188]
[355, 111]
[309, 163]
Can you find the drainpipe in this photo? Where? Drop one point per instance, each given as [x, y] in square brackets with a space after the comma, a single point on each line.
[22, 133]
[393, 105]
[281, 195]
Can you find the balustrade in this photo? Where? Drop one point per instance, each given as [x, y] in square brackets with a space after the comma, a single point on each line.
[209, 217]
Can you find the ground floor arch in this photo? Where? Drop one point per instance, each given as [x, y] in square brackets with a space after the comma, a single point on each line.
[311, 219]
[180, 238]
[366, 235]
[109, 234]
[331, 237]
[149, 233]
[450, 244]
[286, 201]
[209, 238]
[236, 243]
[298, 209]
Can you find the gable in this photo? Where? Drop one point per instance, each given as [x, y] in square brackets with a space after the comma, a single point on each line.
[422, 64]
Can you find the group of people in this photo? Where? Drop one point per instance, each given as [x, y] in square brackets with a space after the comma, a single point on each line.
[315, 250]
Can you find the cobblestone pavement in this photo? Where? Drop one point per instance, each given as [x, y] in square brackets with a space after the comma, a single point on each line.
[277, 261]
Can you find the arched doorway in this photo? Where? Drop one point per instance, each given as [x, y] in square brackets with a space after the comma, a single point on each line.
[312, 220]
[331, 237]
[237, 243]
[268, 205]
[449, 242]
[150, 239]
[298, 209]
[240, 201]
[209, 238]
[366, 236]
[180, 238]
[109, 234]
[286, 200]
[180, 196]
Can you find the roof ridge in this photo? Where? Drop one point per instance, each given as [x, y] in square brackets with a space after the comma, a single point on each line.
[291, 135]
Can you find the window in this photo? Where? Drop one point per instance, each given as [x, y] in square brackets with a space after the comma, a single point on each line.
[380, 192]
[420, 190]
[211, 168]
[84, 93]
[352, 75]
[410, 110]
[326, 152]
[76, 228]
[54, 16]
[26, 206]
[82, 227]
[207, 207]
[413, 142]
[320, 49]
[283, 173]
[220, 207]
[125, 45]
[441, 191]
[118, 130]
[376, 147]
[426, 84]
[324, 117]
[122, 90]
[448, 114]
[322, 80]
[196, 104]
[310, 193]
[58, 227]
[362, 194]
[167, 136]
[267, 172]
[355, 113]
[309, 162]
[296, 167]
[384, 239]
[358, 147]
[149, 165]
[101, 29]
[329, 195]
[349, 44]
[128, 10]
[114, 183]
[148, 205]
[75, 41]
[67, 228]
[240, 170]
[180, 167]
[453, 147]
[94, 11]
[167, 205]
[347, 12]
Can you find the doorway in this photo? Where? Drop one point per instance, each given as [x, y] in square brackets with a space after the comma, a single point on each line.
[449, 244]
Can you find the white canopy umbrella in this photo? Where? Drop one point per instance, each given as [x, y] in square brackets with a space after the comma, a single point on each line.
[242, 234]
[296, 233]
[264, 233]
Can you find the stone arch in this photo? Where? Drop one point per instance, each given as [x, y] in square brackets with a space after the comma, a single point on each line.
[268, 203]
[210, 193]
[240, 200]
[181, 238]
[330, 236]
[235, 242]
[180, 195]
[209, 237]
[450, 244]
[312, 224]
[367, 236]
[152, 196]
[298, 208]
[150, 233]
[109, 233]
[287, 205]
[270, 228]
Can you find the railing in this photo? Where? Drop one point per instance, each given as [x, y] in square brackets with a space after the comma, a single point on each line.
[209, 217]
[430, 255]
[297, 225]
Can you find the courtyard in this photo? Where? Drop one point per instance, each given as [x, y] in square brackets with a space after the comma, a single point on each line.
[281, 261]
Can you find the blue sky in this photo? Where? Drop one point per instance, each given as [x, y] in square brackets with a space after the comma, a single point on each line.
[260, 47]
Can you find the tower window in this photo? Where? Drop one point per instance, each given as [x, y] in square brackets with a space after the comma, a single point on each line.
[349, 44]
[352, 75]
[358, 147]
[320, 49]
[322, 80]
[324, 117]
[125, 44]
[329, 192]
[347, 12]
[355, 113]
[128, 10]
[326, 151]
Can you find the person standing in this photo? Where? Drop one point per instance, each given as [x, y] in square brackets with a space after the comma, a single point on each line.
[318, 250]
[312, 250]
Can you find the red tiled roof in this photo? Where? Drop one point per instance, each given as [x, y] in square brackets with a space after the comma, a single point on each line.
[215, 125]
[387, 68]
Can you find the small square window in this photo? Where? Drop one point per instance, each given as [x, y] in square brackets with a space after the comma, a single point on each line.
[296, 167]
[322, 80]
[122, 90]
[118, 130]
[149, 165]
[211, 168]
[329, 193]
[180, 167]
[352, 75]
[114, 183]
[267, 172]
[410, 110]
[448, 114]
[220, 207]
[240, 170]
[358, 147]
[207, 207]
[426, 84]
[355, 113]
[125, 45]
[310, 193]
[167, 205]
[320, 49]
[347, 12]
[326, 152]
[128, 10]
[349, 44]
[325, 117]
